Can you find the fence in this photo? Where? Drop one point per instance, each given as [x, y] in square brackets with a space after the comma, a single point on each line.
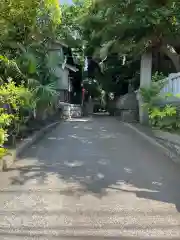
[173, 84]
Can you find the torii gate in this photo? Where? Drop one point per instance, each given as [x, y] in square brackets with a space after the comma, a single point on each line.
[145, 82]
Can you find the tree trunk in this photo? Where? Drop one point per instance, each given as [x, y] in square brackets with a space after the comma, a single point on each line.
[173, 55]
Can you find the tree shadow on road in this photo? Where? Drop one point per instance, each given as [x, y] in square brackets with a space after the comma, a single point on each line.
[98, 158]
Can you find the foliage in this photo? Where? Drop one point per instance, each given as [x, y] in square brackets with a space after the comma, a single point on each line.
[13, 101]
[152, 94]
[71, 29]
[25, 20]
[74, 31]
[93, 87]
[30, 28]
[118, 32]
[10, 68]
[129, 27]
[27, 29]
[80, 27]
[45, 95]
[160, 78]
[35, 68]
[40, 65]
[165, 116]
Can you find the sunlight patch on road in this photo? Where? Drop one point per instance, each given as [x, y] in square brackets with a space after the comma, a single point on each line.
[55, 138]
[157, 183]
[77, 120]
[100, 176]
[103, 161]
[127, 187]
[82, 139]
[128, 170]
[107, 136]
[88, 128]
[73, 164]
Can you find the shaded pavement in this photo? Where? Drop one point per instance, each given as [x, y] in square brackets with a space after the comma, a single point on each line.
[91, 179]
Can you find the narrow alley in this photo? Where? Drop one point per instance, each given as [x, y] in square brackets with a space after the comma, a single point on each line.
[91, 178]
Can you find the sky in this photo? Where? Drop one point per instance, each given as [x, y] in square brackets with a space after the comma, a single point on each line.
[65, 1]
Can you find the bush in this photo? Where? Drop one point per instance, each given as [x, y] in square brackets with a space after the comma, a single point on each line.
[162, 117]
[14, 101]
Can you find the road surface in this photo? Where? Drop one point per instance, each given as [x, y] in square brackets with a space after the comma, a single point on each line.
[91, 179]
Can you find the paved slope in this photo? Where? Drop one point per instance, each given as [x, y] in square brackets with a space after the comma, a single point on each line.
[91, 179]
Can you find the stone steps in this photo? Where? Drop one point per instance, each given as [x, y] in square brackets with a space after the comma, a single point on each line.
[72, 110]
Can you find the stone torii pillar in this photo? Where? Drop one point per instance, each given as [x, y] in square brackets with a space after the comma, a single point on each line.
[145, 82]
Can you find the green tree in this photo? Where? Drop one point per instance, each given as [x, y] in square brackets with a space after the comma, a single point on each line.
[25, 20]
[131, 27]
[27, 29]
[71, 29]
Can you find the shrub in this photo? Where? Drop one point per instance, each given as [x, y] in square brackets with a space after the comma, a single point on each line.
[14, 100]
[162, 117]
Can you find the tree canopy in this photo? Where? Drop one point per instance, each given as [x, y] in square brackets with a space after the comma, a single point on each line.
[130, 27]
[117, 32]
[22, 21]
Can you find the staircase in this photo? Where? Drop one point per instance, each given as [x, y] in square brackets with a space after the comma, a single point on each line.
[71, 110]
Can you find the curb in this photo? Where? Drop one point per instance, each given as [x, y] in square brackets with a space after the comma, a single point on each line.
[8, 160]
[153, 140]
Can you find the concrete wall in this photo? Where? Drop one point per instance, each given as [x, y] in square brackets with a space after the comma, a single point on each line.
[55, 61]
[175, 101]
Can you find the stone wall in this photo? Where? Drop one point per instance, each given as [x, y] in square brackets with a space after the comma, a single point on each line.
[71, 110]
[127, 108]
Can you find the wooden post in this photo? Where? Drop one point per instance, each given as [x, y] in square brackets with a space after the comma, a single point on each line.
[145, 82]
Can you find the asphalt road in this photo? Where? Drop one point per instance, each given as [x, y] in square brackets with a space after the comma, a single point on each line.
[91, 179]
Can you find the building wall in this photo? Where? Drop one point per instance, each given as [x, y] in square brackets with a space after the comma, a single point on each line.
[56, 59]
[63, 78]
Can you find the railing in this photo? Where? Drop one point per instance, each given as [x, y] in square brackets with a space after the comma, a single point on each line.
[173, 84]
